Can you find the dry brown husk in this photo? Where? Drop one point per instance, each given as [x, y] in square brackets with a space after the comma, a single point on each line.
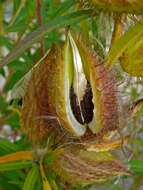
[45, 106]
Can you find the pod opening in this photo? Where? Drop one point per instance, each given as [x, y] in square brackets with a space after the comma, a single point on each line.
[83, 112]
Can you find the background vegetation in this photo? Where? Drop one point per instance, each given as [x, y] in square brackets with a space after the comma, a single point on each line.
[27, 31]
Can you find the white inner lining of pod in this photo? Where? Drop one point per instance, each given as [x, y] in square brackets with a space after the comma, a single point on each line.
[79, 80]
[77, 128]
[79, 83]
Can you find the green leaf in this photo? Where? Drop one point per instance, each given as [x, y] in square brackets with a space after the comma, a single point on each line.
[13, 120]
[5, 185]
[22, 16]
[136, 166]
[31, 178]
[126, 41]
[3, 105]
[20, 24]
[116, 187]
[39, 184]
[7, 147]
[5, 42]
[15, 165]
[22, 66]
[12, 80]
[64, 7]
[132, 60]
[19, 89]
[35, 36]
[15, 178]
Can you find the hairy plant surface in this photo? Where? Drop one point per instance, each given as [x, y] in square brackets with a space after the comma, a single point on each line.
[71, 94]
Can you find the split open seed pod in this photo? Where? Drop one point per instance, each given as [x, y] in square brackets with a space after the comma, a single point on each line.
[71, 90]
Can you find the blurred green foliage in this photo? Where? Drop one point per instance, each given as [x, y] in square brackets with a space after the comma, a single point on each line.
[26, 35]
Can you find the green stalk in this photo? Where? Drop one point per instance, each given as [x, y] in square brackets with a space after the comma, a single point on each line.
[1, 24]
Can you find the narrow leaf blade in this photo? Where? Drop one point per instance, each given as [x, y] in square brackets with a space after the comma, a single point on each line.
[35, 36]
[7, 147]
[15, 165]
[46, 185]
[123, 43]
[31, 178]
[21, 155]
[136, 166]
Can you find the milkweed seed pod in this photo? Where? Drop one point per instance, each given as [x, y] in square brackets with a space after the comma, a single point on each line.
[70, 92]
[86, 168]
[69, 89]
[119, 6]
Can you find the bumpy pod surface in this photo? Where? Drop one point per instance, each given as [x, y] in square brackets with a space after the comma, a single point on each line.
[48, 104]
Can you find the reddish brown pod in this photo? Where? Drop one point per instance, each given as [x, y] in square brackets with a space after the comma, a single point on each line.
[71, 103]
[70, 89]
[107, 93]
[104, 90]
[38, 117]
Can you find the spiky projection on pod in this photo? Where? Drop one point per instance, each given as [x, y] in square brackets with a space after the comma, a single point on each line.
[119, 6]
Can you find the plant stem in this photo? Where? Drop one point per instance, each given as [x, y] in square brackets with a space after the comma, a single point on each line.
[39, 20]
